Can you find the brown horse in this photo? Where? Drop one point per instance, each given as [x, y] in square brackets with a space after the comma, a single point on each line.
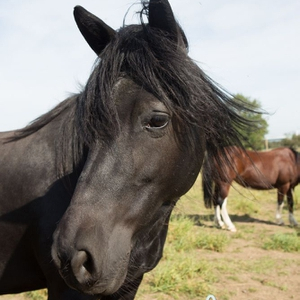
[278, 168]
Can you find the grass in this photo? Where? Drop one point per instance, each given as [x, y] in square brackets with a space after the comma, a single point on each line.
[177, 277]
[181, 273]
[263, 265]
[189, 236]
[37, 295]
[200, 260]
[288, 242]
[184, 236]
[246, 206]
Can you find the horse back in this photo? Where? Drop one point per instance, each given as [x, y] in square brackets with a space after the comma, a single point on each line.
[267, 169]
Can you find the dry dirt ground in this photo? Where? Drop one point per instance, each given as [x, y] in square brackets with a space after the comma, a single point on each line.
[266, 274]
[14, 297]
[244, 270]
[267, 282]
[248, 272]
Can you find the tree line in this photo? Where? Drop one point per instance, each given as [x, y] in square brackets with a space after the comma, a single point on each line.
[293, 142]
[254, 136]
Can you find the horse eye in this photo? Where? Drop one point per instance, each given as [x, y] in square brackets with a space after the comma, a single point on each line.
[157, 122]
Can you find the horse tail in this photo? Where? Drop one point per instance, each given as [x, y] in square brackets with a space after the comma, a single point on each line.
[207, 183]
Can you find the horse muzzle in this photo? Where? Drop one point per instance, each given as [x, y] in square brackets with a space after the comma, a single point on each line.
[92, 272]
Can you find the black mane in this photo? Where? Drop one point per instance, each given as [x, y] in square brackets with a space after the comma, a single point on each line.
[161, 66]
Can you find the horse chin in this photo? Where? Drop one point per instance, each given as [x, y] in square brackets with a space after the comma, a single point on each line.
[102, 290]
[106, 283]
[99, 287]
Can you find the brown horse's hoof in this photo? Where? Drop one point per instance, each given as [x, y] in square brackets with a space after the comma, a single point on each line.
[279, 222]
[232, 229]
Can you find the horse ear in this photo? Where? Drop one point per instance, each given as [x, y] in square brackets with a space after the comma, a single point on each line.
[161, 17]
[95, 31]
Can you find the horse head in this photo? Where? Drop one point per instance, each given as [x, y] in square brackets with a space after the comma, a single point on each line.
[140, 158]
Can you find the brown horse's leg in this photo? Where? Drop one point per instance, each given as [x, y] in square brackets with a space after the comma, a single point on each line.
[217, 204]
[281, 192]
[290, 201]
[226, 217]
[221, 194]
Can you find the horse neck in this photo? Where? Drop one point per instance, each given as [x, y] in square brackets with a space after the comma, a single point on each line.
[55, 135]
[69, 148]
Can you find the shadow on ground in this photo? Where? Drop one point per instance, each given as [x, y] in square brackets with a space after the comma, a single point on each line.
[200, 220]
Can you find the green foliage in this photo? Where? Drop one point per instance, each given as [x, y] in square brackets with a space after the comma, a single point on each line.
[178, 277]
[200, 260]
[254, 136]
[181, 235]
[184, 236]
[246, 206]
[181, 272]
[263, 265]
[292, 141]
[283, 242]
[213, 242]
[37, 295]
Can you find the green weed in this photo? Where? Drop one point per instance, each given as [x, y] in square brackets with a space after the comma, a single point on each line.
[246, 206]
[287, 242]
[264, 265]
[184, 236]
[177, 277]
[37, 295]
[214, 242]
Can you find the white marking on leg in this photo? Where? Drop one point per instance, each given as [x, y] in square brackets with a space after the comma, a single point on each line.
[226, 217]
[292, 220]
[218, 220]
[279, 220]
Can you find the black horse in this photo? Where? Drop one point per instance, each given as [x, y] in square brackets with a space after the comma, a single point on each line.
[86, 190]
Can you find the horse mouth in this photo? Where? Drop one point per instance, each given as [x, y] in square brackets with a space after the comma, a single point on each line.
[79, 273]
[90, 285]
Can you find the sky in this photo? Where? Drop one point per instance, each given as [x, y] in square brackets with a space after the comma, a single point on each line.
[249, 47]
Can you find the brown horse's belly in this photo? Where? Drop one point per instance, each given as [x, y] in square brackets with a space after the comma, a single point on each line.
[255, 182]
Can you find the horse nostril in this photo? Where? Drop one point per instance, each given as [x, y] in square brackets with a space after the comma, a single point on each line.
[82, 266]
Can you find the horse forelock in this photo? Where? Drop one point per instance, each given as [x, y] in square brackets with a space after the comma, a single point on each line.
[201, 109]
[163, 68]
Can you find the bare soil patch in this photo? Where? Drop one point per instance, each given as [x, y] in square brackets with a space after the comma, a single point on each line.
[244, 270]
[263, 274]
